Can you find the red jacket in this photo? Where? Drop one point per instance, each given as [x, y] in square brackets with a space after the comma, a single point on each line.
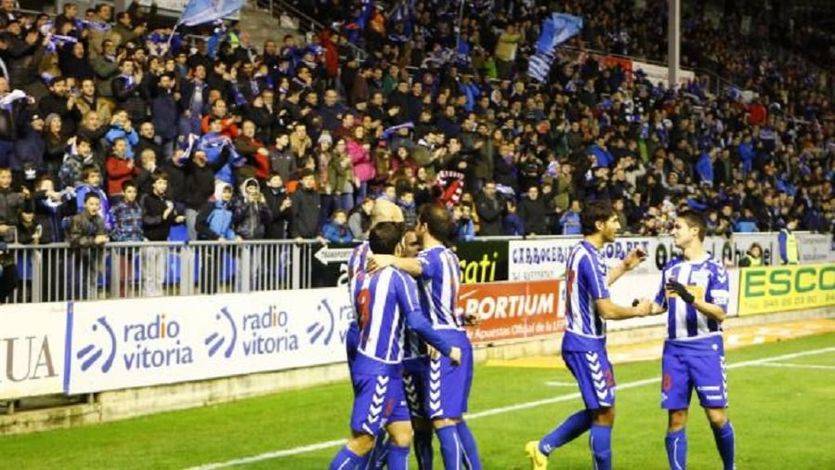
[118, 172]
[229, 129]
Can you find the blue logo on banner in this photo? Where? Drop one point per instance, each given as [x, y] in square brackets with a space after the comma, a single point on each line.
[316, 330]
[91, 353]
[216, 340]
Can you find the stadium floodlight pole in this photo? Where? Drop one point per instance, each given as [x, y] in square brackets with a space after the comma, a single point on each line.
[673, 40]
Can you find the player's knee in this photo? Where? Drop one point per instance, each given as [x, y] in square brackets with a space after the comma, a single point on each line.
[604, 416]
[443, 422]
[678, 420]
[402, 437]
[361, 444]
[717, 417]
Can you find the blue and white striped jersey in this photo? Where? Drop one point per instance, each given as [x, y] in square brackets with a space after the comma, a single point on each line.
[705, 279]
[357, 263]
[356, 267]
[387, 301]
[439, 285]
[585, 276]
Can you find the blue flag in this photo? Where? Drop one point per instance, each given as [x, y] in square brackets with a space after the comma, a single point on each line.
[205, 11]
[556, 29]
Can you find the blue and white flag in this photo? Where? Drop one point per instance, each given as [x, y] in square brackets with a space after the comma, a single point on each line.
[205, 11]
[556, 30]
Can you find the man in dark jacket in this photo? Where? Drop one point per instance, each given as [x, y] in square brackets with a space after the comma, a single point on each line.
[200, 186]
[130, 90]
[533, 212]
[164, 112]
[88, 235]
[158, 214]
[305, 208]
[489, 207]
[60, 102]
[158, 211]
[276, 199]
[10, 204]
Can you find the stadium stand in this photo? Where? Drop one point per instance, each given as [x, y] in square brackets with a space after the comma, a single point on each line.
[405, 101]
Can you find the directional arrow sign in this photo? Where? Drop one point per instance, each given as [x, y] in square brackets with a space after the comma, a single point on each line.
[327, 255]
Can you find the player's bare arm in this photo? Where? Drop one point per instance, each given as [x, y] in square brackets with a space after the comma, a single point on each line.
[630, 262]
[409, 265]
[612, 311]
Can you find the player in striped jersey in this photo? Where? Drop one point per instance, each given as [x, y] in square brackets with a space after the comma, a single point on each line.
[694, 293]
[446, 388]
[383, 211]
[584, 344]
[387, 301]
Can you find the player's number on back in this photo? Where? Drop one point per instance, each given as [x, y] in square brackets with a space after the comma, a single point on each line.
[363, 301]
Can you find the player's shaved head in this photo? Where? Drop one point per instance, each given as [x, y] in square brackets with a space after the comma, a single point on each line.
[385, 211]
[384, 238]
[438, 221]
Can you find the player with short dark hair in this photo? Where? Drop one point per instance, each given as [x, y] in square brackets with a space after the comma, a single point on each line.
[694, 293]
[584, 344]
[446, 387]
[387, 301]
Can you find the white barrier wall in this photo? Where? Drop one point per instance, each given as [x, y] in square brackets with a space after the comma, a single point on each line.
[139, 342]
[32, 340]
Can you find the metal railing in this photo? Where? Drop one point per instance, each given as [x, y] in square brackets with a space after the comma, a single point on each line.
[59, 272]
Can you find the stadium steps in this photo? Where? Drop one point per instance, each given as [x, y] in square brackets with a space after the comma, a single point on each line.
[262, 25]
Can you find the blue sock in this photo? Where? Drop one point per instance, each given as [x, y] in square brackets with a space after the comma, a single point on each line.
[570, 429]
[451, 449]
[397, 458]
[345, 460]
[471, 458]
[423, 449]
[377, 457]
[600, 441]
[676, 443]
[725, 443]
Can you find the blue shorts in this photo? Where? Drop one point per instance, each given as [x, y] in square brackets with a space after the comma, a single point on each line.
[685, 367]
[378, 401]
[447, 387]
[414, 375]
[594, 375]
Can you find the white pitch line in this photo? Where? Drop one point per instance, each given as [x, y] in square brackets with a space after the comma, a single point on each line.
[796, 366]
[494, 411]
[553, 383]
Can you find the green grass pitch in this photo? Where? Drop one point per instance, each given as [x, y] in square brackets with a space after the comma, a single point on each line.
[782, 417]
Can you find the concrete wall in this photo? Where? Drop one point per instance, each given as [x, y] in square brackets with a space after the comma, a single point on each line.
[121, 404]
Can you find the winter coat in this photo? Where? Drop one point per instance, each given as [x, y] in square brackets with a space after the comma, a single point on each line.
[363, 164]
[306, 205]
[214, 221]
[119, 170]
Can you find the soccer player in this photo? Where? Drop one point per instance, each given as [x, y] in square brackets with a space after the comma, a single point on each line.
[584, 344]
[383, 211]
[694, 293]
[414, 372]
[446, 388]
[387, 302]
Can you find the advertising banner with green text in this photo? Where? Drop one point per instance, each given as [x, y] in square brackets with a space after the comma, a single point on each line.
[781, 288]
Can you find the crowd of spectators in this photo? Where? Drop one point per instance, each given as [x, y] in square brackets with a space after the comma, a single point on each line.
[107, 134]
